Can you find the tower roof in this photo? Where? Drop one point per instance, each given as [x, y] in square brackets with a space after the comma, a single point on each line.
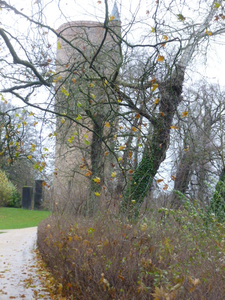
[115, 12]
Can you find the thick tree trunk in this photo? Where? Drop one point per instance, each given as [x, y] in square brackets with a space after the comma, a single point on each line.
[170, 91]
[96, 164]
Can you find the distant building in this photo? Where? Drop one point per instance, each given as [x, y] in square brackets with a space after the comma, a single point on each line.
[88, 56]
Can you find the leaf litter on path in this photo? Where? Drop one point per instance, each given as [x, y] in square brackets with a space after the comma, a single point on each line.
[19, 276]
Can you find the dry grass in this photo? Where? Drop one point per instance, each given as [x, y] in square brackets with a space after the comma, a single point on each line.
[164, 258]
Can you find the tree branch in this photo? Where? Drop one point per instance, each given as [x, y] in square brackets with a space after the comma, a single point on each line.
[19, 61]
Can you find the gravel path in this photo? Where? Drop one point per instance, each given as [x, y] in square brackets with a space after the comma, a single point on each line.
[18, 272]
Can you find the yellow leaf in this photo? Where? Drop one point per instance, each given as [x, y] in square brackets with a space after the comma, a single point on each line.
[29, 156]
[78, 117]
[35, 123]
[162, 114]
[30, 114]
[159, 180]
[157, 101]
[165, 187]
[195, 282]
[154, 86]
[112, 18]
[24, 123]
[97, 194]
[121, 148]
[173, 177]
[113, 174]
[59, 45]
[208, 32]
[160, 58]
[97, 179]
[63, 120]
[137, 116]
[152, 29]
[186, 149]
[160, 294]
[184, 114]
[217, 5]
[134, 129]
[107, 124]
[93, 96]
[153, 80]
[74, 80]
[119, 158]
[174, 127]
[89, 173]
[106, 153]
[65, 92]
[119, 101]
[91, 85]
[57, 79]
[165, 37]
[176, 287]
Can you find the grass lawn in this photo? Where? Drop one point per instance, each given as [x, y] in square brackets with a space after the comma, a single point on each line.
[14, 218]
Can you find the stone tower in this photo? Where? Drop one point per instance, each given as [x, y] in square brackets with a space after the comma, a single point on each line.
[88, 59]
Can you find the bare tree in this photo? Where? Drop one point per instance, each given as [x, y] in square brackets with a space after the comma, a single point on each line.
[96, 91]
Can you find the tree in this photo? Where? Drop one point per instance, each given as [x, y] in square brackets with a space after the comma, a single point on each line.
[19, 144]
[199, 139]
[167, 42]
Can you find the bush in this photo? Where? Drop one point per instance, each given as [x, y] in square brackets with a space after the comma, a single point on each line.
[169, 255]
[15, 200]
[217, 204]
[8, 193]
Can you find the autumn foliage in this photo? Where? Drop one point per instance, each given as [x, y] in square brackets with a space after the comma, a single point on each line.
[168, 255]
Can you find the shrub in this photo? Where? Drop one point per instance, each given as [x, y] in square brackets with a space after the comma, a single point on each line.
[15, 200]
[217, 204]
[168, 255]
[7, 190]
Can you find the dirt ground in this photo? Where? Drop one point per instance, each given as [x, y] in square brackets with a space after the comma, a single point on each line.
[19, 278]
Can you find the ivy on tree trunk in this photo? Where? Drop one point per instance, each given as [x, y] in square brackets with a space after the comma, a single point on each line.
[170, 92]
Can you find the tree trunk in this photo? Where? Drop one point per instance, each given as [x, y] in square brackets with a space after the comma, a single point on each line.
[182, 178]
[170, 91]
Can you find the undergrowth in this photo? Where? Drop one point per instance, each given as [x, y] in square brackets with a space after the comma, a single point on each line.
[168, 255]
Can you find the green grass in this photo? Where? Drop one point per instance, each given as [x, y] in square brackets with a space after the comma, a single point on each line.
[15, 218]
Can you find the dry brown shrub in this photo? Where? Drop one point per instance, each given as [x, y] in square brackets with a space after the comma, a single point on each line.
[106, 258]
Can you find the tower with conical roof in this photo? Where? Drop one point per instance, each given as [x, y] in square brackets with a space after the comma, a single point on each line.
[88, 57]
